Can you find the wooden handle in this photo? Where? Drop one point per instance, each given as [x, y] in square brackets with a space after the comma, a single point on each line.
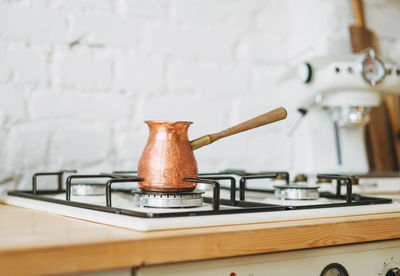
[358, 12]
[266, 118]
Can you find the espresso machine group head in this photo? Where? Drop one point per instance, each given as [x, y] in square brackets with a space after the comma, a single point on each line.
[340, 93]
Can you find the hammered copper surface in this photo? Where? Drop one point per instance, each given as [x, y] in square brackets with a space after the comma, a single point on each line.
[167, 159]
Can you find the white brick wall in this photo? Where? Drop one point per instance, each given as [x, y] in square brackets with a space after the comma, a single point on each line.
[75, 69]
[140, 73]
[30, 24]
[79, 77]
[22, 65]
[207, 77]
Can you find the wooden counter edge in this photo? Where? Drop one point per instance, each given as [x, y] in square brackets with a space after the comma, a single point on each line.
[195, 245]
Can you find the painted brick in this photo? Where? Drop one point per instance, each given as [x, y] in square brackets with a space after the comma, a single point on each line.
[274, 150]
[264, 78]
[329, 36]
[261, 47]
[391, 48]
[82, 70]
[6, 172]
[383, 20]
[12, 102]
[83, 6]
[266, 39]
[149, 8]
[195, 13]
[242, 15]
[81, 106]
[207, 78]
[72, 144]
[106, 30]
[32, 24]
[189, 42]
[28, 144]
[140, 73]
[129, 140]
[22, 65]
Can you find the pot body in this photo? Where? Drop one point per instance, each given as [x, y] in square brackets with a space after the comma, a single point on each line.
[167, 159]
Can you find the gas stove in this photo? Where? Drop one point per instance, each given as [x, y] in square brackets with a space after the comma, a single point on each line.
[223, 198]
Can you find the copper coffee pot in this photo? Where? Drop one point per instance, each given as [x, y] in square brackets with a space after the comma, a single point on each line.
[168, 159]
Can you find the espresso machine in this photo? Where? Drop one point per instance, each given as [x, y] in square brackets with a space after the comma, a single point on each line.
[329, 135]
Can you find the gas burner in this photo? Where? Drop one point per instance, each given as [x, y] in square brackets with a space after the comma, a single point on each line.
[168, 200]
[88, 189]
[296, 191]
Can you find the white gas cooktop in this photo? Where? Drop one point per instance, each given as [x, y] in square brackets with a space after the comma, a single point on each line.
[259, 206]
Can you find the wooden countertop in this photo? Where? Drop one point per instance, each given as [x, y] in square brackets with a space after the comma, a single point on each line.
[33, 242]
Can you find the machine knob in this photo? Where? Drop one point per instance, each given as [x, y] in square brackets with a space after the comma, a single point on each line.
[334, 269]
[393, 272]
[304, 72]
[373, 70]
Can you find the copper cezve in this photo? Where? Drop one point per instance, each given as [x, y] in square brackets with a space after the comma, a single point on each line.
[168, 159]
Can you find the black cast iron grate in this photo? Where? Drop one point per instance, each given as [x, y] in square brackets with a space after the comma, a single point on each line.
[236, 206]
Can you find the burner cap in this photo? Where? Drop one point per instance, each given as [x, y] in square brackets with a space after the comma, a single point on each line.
[300, 178]
[296, 192]
[321, 180]
[168, 200]
[281, 176]
[354, 180]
